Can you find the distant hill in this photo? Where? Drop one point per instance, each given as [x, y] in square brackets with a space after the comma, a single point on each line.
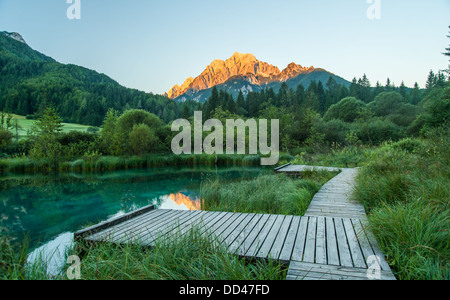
[30, 80]
[243, 72]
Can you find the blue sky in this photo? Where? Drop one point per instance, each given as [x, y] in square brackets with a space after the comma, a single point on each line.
[153, 45]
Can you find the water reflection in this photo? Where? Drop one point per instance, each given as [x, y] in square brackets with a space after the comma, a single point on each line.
[47, 209]
[185, 201]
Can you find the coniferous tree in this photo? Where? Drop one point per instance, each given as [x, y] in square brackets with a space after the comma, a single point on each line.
[240, 104]
[378, 89]
[354, 88]
[321, 97]
[415, 96]
[403, 91]
[431, 80]
[186, 112]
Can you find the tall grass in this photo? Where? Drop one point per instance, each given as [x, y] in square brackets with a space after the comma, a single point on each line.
[339, 157]
[194, 256]
[14, 265]
[111, 163]
[406, 190]
[268, 194]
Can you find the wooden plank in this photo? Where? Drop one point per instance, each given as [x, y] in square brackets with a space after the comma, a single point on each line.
[297, 267]
[146, 227]
[281, 238]
[299, 247]
[362, 238]
[260, 238]
[310, 246]
[132, 223]
[344, 251]
[102, 226]
[217, 231]
[196, 222]
[117, 228]
[217, 225]
[246, 237]
[288, 246]
[232, 227]
[281, 167]
[332, 249]
[271, 236]
[239, 231]
[321, 246]
[218, 216]
[355, 250]
[132, 232]
[311, 275]
[159, 232]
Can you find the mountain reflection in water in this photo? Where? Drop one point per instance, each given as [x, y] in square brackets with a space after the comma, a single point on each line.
[191, 204]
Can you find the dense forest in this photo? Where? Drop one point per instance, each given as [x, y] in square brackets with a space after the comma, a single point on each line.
[31, 81]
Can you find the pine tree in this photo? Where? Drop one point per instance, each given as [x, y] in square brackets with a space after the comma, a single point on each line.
[354, 88]
[365, 90]
[416, 94]
[240, 104]
[431, 81]
[321, 97]
[214, 100]
[186, 112]
[230, 104]
[389, 86]
[402, 90]
[378, 89]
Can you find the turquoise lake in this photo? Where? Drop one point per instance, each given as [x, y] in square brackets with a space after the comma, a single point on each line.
[47, 210]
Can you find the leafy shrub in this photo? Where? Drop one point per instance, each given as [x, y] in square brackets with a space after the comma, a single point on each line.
[348, 110]
[376, 131]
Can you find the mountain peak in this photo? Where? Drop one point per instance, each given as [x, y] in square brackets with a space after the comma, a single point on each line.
[241, 56]
[241, 65]
[293, 70]
[219, 71]
[14, 35]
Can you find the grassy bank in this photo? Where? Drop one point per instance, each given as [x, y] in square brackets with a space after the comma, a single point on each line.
[193, 256]
[96, 163]
[405, 188]
[267, 194]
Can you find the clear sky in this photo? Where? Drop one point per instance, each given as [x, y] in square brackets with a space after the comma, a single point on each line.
[153, 45]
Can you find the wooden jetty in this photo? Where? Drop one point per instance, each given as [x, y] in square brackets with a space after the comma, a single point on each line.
[330, 242]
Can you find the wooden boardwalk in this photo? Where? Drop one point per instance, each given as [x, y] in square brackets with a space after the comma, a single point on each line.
[334, 199]
[328, 243]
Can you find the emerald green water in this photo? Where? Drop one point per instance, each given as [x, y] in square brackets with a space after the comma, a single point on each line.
[49, 209]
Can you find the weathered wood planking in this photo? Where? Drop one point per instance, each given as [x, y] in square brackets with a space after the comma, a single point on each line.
[310, 271]
[315, 240]
[330, 242]
[335, 198]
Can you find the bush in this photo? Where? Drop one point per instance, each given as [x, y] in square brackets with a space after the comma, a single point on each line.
[143, 139]
[409, 145]
[334, 131]
[386, 103]
[5, 138]
[348, 110]
[376, 131]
